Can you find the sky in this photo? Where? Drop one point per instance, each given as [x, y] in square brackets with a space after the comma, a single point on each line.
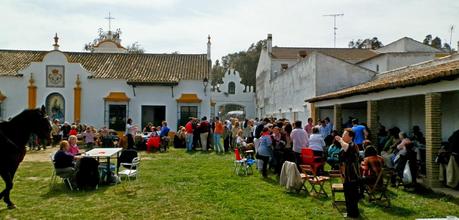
[166, 26]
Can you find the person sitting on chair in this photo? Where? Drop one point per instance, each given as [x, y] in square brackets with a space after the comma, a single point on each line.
[73, 148]
[371, 165]
[64, 161]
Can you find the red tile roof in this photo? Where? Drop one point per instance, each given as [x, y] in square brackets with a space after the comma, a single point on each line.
[432, 71]
[350, 55]
[135, 68]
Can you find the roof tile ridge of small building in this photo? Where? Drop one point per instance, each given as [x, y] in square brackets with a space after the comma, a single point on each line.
[331, 48]
[20, 50]
[342, 60]
[438, 61]
[125, 54]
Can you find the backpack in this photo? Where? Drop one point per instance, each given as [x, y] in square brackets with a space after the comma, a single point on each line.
[87, 174]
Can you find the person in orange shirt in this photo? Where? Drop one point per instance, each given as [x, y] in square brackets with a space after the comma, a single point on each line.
[218, 131]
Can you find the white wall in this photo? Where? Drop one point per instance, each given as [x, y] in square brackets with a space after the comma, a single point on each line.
[93, 93]
[450, 113]
[390, 61]
[402, 112]
[334, 74]
[246, 99]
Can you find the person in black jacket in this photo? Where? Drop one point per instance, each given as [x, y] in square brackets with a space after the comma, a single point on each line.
[259, 128]
[64, 161]
[350, 160]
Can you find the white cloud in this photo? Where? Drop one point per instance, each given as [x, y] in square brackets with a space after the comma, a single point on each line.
[167, 26]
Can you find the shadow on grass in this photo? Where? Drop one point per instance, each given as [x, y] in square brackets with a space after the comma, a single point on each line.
[61, 189]
[428, 193]
[392, 210]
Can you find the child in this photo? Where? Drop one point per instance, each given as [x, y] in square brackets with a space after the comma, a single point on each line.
[73, 130]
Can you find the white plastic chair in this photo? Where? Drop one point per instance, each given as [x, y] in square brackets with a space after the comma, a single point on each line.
[132, 171]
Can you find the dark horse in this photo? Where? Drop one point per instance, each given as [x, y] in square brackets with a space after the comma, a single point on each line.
[14, 135]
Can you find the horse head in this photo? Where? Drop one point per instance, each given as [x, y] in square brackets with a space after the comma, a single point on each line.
[39, 122]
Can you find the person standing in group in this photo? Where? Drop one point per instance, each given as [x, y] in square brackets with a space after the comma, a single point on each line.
[234, 131]
[56, 132]
[130, 132]
[189, 135]
[350, 160]
[204, 128]
[218, 131]
[226, 136]
[300, 140]
[308, 127]
[359, 133]
[264, 151]
[88, 137]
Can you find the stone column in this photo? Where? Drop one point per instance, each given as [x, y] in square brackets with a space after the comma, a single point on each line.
[77, 100]
[314, 113]
[372, 120]
[337, 117]
[433, 136]
[32, 93]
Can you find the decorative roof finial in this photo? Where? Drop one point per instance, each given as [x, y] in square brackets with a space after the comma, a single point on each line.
[208, 38]
[78, 81]
[56, 40]
[31, 80]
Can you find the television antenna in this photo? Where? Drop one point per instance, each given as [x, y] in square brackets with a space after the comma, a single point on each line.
[451, 38]
[334, 26]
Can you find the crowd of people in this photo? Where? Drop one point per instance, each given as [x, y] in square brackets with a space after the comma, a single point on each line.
[278, 140]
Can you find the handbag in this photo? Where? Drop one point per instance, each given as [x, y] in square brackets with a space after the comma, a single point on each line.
[407, 178]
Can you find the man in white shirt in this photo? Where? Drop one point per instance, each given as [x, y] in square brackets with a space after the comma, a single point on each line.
[300, 140]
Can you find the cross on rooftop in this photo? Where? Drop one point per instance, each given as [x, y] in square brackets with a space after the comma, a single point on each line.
[109, 18]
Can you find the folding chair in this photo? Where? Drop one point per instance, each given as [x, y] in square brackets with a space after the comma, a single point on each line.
[240, 164]
[314, 180]
[132, 171]
[307, 155]
[54, 176]
[336, 187]
[378, 190]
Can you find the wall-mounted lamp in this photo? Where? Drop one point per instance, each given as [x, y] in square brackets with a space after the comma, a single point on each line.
[205, 83]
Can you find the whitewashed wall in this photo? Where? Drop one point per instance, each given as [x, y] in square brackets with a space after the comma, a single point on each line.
[93, 93]
[392, 61]
[246, 99]
[450, 113]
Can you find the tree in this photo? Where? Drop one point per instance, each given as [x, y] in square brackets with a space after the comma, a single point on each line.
[369, 43]
[135, 48]
[436, 43]
[217, 73]
[245, 62]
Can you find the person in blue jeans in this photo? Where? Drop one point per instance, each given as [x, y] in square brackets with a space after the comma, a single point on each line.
[189, 135]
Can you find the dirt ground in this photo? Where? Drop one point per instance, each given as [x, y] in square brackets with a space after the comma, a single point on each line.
[39, 155]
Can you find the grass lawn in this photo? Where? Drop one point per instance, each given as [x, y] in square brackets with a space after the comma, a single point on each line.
[177, 185]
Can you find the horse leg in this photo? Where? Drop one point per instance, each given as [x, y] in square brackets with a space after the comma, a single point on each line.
[7, 177]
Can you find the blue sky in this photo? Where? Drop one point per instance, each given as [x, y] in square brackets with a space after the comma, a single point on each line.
[164, 26]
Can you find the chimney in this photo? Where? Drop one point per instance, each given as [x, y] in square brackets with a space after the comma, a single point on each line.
[208, 47]
[269, 43]
[56, 40]
[302, 53]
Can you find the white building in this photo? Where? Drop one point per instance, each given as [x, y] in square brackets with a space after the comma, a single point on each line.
[287, 76]
[232, 95]
[425, 94]
[105, 87]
